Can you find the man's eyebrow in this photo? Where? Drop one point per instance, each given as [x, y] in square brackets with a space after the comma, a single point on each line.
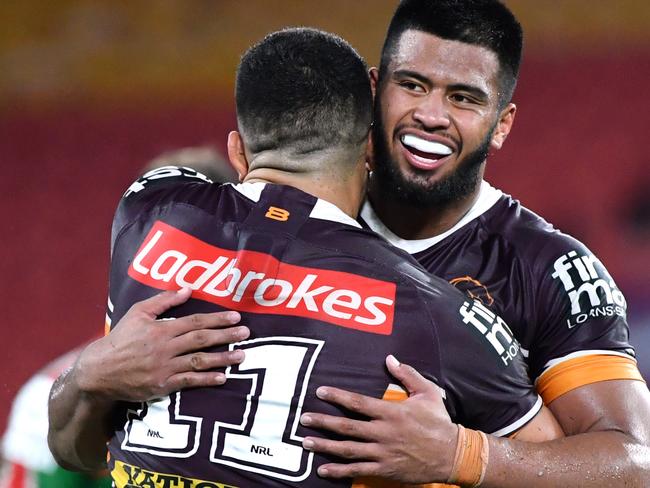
[406, 73]
[471, 89]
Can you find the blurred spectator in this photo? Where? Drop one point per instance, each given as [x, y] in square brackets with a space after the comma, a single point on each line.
[27, 459]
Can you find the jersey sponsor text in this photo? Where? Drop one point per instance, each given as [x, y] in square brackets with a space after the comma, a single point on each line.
[128, 476]
[493, 328]
[591, 294]
[257, 282]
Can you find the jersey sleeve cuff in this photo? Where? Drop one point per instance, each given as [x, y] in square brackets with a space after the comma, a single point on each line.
[519, 423]
[574, 372]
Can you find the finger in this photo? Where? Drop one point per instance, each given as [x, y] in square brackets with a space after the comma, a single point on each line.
[204, 321]
[409, 377]
[360, 429]
[355, 402]
[354, 470]
[198, 321]
[182, 381]
[203, 361]
[344, 449]
[202, 339]
[162, 302]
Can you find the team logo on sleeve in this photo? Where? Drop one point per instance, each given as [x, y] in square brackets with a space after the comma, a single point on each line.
[492, 327]
[474, 289]
[257, 282]
[591, 291]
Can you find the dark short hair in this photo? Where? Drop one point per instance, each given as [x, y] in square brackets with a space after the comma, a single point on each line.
[485, 23]
[302, 89]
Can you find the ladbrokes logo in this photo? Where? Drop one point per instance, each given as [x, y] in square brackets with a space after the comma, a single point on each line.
[256, 282]
[591, 294]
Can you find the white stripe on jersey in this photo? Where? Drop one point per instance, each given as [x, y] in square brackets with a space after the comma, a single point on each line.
[513, 427]
[578, 354]
[110, 311]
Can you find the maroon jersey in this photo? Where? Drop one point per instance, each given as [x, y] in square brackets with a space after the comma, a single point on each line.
[326, 301]
[556, 296]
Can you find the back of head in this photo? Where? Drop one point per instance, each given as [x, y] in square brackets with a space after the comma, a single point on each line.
[301, 90]
[485, 23]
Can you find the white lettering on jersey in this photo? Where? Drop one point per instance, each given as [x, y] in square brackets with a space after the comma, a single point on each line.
[493, 328]
[591, 293]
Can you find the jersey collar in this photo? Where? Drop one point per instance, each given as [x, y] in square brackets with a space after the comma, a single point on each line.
[488, 196]
[323, 209]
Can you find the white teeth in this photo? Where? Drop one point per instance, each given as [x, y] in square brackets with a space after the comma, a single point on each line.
[426, 146]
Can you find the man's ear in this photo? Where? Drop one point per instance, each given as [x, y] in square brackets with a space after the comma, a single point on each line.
[374, 77]
[237, 155]
[370, 153]
[504, 125]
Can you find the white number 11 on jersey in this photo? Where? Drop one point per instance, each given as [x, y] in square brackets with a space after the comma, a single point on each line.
[265, 441]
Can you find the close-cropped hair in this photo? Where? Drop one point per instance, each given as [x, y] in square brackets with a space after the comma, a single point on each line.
[485, 23]
[302, 90]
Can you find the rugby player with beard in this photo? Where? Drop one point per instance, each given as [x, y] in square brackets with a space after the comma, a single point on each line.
[443, 102]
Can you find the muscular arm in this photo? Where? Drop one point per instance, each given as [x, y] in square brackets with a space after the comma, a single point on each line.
[410, 441]
[78, 429]
[141, 359]
[609, 445]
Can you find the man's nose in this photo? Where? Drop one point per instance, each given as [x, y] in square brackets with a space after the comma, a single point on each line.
[432, 111]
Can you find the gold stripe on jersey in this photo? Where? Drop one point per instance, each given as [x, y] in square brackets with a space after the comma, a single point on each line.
[574, 373]
[128, 476]
[393, 393]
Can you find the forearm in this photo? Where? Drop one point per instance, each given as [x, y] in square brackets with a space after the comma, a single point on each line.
[78, 427]
[595, 459]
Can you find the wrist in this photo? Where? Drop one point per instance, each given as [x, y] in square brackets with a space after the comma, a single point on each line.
[471, 458]
[86, 379]
[450, 458]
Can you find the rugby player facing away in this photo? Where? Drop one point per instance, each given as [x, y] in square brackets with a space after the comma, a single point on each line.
[443, 101]
[324, 301]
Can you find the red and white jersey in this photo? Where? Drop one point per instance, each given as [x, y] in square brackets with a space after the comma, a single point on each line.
[326, 302]
[556, 296]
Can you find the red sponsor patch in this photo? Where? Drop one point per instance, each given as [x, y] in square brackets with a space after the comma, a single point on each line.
[252, 281]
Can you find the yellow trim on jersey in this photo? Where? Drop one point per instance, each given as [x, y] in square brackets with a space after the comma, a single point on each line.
[127, 476]
[394, 395]
[574, 373]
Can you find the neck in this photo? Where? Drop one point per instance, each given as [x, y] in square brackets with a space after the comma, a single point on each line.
[344, 191]
[412, 221]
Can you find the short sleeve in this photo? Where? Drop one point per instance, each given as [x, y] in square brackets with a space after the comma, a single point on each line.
[487, 385]
[582, 333]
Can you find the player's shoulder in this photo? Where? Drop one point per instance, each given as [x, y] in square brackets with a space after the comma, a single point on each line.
[167, 184]
[527, 234]
[400, 263]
